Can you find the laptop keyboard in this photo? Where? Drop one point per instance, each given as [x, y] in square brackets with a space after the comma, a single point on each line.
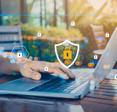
[63, 86]
[48, 83]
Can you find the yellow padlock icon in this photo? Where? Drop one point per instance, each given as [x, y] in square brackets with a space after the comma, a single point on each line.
[67, 54]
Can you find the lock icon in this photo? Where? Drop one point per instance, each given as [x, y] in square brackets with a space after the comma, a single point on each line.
[67, 54]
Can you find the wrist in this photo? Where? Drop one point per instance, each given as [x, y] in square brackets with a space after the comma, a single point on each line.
[8, 68]
[14, 67]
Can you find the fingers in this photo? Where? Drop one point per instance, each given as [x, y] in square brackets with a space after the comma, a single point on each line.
[53, 68]
[62, 72]
[36, 75]
[68, 72]
[36, 59]
[37, 65]
[65, 70]
[29, 73]
[30, 58]
[59, 73]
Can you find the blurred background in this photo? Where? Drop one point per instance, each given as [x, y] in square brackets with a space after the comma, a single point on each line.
[44, 23]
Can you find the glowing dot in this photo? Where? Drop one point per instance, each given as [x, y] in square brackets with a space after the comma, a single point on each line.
[95, 57]
[19, 55]
[107, 35]
[38, 34]
[115, 76]
[73, 23]
[46, 69]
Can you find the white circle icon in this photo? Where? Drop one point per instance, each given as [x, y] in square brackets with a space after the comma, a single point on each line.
[73, 23]
[46, 69]
[107, 35]
[19, 55]
[38, 34]
[115, 76]
[95, 57]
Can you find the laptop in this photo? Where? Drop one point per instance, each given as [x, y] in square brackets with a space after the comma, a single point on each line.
[55, 87]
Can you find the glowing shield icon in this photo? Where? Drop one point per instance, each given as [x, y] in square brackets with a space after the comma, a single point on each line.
[67, 53]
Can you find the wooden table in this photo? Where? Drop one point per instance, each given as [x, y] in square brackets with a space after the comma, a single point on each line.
[103, 99]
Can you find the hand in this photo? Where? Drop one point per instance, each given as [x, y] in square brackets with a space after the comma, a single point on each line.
[33, 70]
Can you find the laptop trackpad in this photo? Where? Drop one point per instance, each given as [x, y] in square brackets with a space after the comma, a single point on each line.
[21, 84]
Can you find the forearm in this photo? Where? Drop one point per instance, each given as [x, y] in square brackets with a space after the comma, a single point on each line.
[7, 67]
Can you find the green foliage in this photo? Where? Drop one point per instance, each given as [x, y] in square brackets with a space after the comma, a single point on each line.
[11, 20]
[53, 32]
[28, 30]
[54, 35]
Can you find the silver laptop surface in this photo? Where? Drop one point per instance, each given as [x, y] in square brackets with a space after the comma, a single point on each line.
[108, 59]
